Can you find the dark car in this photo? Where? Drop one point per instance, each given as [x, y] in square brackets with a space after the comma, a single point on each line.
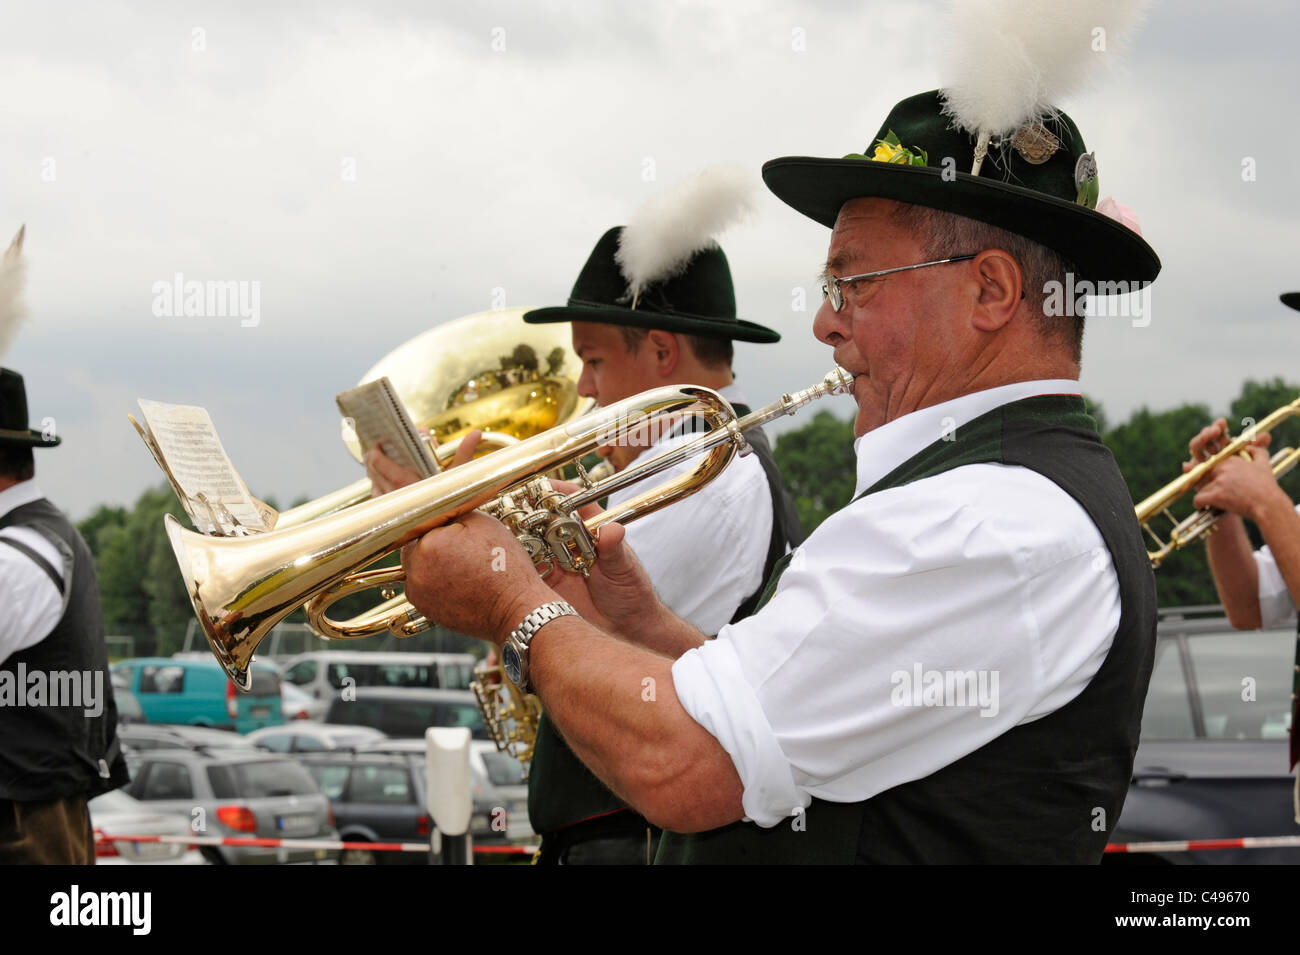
[407, 713]
[375, 798]
[238, 792]
[498, 786]
[1212, 762]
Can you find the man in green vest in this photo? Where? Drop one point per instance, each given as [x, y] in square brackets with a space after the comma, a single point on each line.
[952, 667]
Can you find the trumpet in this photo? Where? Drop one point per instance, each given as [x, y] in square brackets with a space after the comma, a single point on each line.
[1202, 521]
[241, 587]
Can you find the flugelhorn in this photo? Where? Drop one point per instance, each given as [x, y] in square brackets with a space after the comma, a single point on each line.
[241, 587]
[1201, 522]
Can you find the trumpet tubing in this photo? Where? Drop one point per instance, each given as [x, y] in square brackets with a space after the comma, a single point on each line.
[1202, 521]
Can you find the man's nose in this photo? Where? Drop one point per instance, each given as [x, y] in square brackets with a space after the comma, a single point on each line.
[587, 383]
[829, 326]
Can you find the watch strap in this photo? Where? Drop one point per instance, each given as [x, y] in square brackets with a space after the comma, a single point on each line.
[539, 618]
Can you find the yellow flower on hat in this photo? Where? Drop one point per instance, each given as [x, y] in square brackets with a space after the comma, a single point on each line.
[889, 152]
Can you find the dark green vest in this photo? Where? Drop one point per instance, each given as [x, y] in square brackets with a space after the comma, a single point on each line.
[1043, 792]
[562, 792]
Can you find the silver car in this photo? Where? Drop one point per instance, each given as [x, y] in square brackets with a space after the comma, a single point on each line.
[241, 793]
[117, 814]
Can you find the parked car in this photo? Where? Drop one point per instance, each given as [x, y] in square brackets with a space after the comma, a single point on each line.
[407, 713]
[1212, 761]
[116, 813]
[323, 673]
[500, 789]
[239, 792]
[376, 798]
[298, 704]
[145, 736]
[301, 737]
[197, 691]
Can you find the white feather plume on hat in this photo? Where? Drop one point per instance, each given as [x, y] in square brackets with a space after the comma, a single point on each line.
[13, 275]
[662, 236]
[1009, 62]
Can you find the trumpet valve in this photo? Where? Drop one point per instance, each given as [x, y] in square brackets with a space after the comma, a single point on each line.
[570, 544]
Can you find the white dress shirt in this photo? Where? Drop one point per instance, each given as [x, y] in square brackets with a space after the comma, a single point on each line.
[30, 604]
[1276, 606]
[987, 569]
[705, 554]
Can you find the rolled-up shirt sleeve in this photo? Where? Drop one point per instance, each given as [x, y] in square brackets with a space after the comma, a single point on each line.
[911, 628]
[1276, 606]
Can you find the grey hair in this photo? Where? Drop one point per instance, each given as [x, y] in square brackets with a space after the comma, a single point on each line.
[944, 234]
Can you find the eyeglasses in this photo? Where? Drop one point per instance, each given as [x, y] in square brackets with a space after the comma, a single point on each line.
[831, 287]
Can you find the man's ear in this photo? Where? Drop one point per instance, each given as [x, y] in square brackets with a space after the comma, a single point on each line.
[666, 349]
[1000, 289]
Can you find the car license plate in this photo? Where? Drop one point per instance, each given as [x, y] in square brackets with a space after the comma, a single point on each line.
[146, 851]
[296, 823]
[261, 712]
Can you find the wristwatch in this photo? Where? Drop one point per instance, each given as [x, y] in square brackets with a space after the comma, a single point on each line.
[514, 652]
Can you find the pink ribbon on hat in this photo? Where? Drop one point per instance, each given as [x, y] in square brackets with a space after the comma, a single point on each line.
[1120, 213]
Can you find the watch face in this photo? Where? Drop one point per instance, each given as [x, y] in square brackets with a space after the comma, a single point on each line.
[511, 664]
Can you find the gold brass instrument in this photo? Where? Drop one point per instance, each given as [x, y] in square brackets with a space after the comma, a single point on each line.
[1202, 521]
[510, 714]
[489, 371]
[241, 587]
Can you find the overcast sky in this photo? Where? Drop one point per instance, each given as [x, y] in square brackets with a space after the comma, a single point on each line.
[382, 168]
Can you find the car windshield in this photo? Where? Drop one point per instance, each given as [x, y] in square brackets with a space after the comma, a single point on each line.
[408, 718]
[273, 778]
[1221, 685]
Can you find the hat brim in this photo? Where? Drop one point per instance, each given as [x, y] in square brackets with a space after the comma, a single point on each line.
[33, 439]
[1291, 300]
[738, 330]
[1101, 249]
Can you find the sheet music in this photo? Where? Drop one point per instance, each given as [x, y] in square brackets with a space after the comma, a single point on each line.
[378, 416]
[185, 445]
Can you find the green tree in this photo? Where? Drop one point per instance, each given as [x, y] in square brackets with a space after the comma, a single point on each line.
[819, 467]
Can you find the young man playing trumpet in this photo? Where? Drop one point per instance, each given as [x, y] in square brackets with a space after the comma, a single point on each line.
[1258, 588]
[654, 306]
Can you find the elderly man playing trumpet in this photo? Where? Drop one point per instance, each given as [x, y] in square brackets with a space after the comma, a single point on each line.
[990, 553]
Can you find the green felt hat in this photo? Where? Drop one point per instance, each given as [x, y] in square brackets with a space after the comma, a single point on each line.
[699, 300]
[1039, 183]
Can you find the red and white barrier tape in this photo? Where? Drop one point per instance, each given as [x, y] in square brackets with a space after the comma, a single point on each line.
[264, 843]
[1202, 845]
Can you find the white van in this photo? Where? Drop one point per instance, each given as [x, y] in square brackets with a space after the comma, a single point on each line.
[323, 672]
